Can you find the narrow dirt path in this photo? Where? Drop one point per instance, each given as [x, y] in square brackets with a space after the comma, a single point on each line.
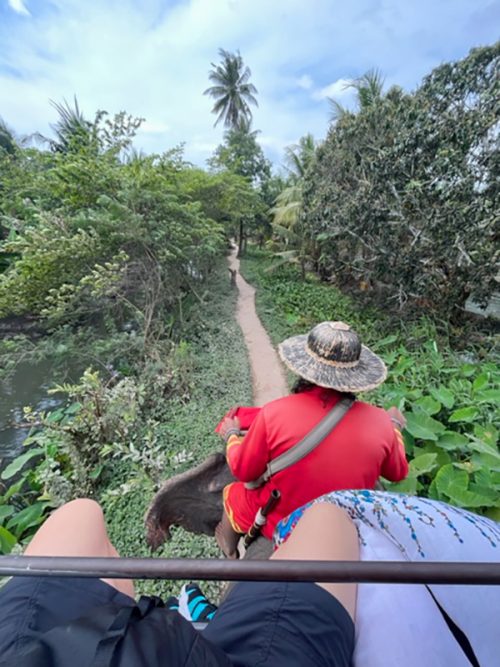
[268, 377]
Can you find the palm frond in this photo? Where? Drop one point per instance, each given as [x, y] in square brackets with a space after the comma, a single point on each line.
[337, 110]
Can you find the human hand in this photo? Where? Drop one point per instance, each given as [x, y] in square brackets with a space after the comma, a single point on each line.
[396, 417]
[229, 424]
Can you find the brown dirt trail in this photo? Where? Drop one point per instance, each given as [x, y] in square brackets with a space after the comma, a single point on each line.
[268, 377]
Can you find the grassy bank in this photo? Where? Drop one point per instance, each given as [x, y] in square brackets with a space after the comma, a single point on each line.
[449, 394]
[220, 378]
[154, 433]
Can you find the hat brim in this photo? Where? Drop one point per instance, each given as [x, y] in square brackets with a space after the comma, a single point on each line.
[369, 373]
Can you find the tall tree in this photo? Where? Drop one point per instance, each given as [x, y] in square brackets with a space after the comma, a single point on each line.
[232, 91]
[368, 87]
[299, 156]
[287, 210]
[241, 154]
[72, 130]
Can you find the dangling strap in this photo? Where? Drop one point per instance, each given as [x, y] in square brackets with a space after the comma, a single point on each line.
[118, 628]
[459, 635]
[306, 445]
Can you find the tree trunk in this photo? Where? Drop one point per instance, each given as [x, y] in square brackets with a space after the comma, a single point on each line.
[240, 240]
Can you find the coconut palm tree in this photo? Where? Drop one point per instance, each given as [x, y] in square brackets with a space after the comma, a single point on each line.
[287, 210]
[72, 130]
[368, 89]
[232, 92]
[299, 156]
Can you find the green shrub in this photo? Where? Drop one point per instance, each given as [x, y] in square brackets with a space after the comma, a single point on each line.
[403, 195]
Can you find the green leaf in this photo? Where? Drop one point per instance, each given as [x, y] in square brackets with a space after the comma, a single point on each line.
[6, 511]
[74, 407]
[467, 370]
[408, 485]
[483, 477]
[487, 461]
[443, 395]
[14, 488]
[454, 484]
[18, 463]
[488, 396]
[7, 540]
[442, 456]
[432, 491]
[484, 491]
[449, 475]
[452, 440]
[55, 416]
[27, 518]
[96, 473]
[487, 434]
[480, 382]
[428, 405]
[483, 448]
[464, 414]
[423, 464]
[423, 427]
[469, 466]
[470, 499]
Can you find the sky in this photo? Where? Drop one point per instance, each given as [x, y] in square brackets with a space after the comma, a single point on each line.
[151, 58]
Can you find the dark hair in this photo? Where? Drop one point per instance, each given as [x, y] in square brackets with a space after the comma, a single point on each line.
[302, 385]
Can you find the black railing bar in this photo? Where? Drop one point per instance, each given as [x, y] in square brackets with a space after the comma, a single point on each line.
[395, 572]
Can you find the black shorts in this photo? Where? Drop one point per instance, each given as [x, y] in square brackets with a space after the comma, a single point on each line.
[265, 624]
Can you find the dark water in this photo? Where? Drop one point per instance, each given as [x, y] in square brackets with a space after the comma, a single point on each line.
[27, 386]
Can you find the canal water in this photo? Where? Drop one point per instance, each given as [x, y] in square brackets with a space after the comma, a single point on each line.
[27, 386]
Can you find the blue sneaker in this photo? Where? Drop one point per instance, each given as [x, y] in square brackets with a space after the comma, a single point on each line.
[194, 606]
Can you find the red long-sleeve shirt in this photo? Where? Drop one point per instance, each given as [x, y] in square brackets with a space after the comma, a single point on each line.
[361, 448]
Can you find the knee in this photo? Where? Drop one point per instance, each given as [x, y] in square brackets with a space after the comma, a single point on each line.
[85, 507]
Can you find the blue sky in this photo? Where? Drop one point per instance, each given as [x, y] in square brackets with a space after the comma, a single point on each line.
[151, 58]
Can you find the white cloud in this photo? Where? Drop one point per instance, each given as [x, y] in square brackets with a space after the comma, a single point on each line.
[337, 89]
[305, 82]
[19, 7]
[154, 127]
[151, 58]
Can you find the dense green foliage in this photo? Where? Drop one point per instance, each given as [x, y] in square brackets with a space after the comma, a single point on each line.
[116, 258]
[450, 398]
[403, 197]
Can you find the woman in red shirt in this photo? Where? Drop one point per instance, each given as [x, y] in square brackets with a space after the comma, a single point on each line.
[364, 445]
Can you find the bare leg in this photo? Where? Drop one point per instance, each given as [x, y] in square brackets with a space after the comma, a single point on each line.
[227, 538]
[325, 532]
[77, 529]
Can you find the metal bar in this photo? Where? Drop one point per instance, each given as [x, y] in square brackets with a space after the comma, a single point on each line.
[395, 572]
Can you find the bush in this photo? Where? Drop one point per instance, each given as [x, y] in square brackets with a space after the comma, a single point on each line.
[402, 196]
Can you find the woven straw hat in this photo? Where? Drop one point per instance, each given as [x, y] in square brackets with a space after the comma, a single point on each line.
[331, 355]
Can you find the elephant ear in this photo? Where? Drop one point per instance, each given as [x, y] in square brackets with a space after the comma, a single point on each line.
[192, 500]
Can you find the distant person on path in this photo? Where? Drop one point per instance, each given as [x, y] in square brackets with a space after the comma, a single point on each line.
[365, 444]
